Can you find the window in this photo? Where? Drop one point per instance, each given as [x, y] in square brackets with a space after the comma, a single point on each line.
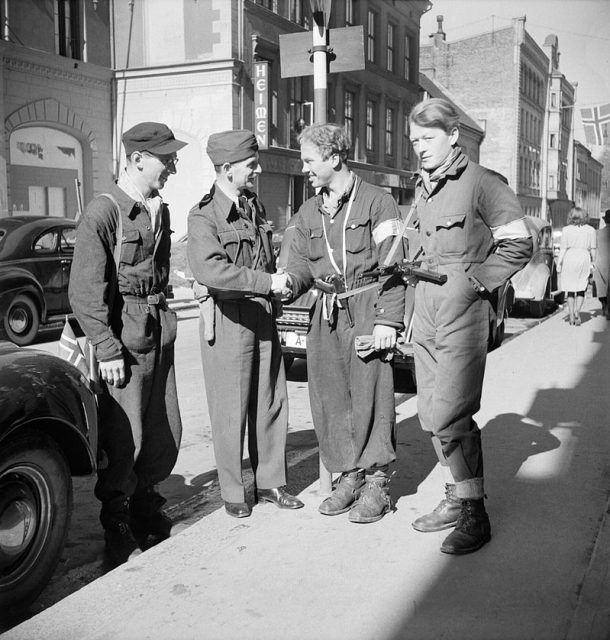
[552, 183]
[67, 29]
[553, 141]
[45, 243]
[389, 62]
[349, 13]
[407, 60]
[67, 240]
[370, 36]
[553, 99]
[406, 143]
[348, 116]
[389, 131]
[370, 125]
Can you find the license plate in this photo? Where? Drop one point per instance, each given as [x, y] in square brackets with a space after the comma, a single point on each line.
[292, 339]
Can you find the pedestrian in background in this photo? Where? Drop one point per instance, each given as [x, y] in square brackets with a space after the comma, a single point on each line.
[345, 230]
[230, 252]
[576, 259]
[601, 273]
[471, 229]
[124, 314]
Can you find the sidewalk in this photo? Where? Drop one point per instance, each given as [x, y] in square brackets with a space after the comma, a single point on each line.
[302, 576]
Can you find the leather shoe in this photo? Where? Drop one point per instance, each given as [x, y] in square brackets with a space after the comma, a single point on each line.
[279, 497]
[238, 509]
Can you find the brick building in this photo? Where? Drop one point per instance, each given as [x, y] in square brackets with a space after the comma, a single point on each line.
[587, 181]
[515, 89]
[55, 105]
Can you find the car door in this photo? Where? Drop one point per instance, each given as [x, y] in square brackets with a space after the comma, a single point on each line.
[67, 240]
[47, 266]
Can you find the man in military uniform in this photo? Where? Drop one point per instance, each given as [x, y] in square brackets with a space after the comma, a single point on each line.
[347, 229]
[230, 252]
[126, 318]
[472, 230]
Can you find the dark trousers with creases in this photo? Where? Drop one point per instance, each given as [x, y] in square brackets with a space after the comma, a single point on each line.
[140, 427]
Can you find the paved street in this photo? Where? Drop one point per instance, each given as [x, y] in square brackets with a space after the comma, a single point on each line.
[192, 490]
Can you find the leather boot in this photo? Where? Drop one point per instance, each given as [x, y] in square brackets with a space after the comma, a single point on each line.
[149, 522]
[121, 545]
[373, 502]
[344, 494]
[472, 530]
[444, 516]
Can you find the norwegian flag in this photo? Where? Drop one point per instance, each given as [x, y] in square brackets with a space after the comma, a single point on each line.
[70, 350]
[595, 121]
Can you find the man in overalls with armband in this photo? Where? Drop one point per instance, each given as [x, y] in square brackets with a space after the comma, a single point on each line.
[345, 230]
[472, 230]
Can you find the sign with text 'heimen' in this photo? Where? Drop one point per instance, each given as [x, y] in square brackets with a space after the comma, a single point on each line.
[261, 103]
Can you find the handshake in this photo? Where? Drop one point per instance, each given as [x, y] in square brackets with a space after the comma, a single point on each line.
[281, 285]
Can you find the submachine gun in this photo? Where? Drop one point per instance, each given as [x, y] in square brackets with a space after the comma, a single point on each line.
[409, 272]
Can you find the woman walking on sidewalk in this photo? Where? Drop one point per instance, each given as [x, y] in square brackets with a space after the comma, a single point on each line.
[577, 255]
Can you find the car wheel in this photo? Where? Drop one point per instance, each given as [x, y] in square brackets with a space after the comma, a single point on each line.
[35, 510]
[288, 360]
[22, 320]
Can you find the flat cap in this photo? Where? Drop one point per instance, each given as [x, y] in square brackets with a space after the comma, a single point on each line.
[231, 146]
[154, 137]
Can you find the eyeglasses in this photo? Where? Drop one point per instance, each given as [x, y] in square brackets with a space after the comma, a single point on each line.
[168, 163]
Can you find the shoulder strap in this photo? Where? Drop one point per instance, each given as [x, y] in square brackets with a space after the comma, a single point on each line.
[117, 250]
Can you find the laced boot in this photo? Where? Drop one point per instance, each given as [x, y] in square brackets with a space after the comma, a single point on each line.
[374, 500]
[472, 529]
[148, 521]
[344, 494]
[444, 516]
[121, 544]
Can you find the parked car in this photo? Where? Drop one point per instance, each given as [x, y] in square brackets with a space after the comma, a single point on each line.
[35, 259]
[536, 285]
[48, 433]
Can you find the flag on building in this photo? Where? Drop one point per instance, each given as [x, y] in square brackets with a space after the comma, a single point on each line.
[595, 121]
[70, 350]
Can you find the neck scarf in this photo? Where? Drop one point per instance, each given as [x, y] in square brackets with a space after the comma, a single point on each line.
[152, 204]
[431, 179]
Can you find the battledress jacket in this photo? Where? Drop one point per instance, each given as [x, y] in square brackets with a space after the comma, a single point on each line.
[373, 209]
[144, 266]
[223, 250]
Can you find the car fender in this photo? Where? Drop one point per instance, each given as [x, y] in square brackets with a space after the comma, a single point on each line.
[41, 391]
[15, 280]
[531, 283]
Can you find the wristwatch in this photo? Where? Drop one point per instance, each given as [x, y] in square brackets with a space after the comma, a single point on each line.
[476, 285]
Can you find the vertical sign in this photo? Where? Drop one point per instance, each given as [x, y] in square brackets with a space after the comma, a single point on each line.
[261, 103]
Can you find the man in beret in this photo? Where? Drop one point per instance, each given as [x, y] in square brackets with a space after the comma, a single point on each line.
[230, 252]
[120, 305]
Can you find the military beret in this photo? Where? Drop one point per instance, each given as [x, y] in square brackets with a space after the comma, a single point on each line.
[154, 137]
[231, 146]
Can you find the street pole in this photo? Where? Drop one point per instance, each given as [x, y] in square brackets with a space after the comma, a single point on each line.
[320, 10]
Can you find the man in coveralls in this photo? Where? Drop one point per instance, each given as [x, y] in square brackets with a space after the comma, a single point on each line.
[230, 252]
[126, 318]
[471, 228]
[345, 230]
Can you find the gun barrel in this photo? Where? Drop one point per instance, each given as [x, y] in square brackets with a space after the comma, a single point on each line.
[424, 274]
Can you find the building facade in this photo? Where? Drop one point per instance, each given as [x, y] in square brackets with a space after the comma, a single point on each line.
[587, 182]
[56, 147]
[514, 88]
[208, 66]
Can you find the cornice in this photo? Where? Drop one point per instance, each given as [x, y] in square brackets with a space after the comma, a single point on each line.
[27, 67]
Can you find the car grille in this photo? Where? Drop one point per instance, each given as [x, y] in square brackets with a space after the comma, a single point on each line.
[294, 317]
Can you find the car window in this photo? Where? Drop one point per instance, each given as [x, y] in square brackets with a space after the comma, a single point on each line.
[45, 243]
[67, 240]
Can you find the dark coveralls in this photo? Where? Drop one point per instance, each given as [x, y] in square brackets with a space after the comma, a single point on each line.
[230, 251]
[140, 426]
[452, 321]
[352, 400]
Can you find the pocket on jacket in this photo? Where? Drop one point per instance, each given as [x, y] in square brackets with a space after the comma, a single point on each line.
[130, 246]
[138, 333]
[316, 245]
[451, 234]
[233, 241]
[358, 237]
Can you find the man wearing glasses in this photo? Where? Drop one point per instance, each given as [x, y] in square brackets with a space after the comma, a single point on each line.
[120, 305]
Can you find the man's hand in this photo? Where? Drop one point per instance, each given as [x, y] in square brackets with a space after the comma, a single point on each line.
[385, 337]
[113, 371]
[280, 285]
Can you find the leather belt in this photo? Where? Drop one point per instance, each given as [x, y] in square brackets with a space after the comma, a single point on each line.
[152, 300]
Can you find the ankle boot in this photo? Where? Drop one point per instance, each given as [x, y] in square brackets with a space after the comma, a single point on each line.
[472, 529]
[344, 494]
[373, 502]
[444, 515]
